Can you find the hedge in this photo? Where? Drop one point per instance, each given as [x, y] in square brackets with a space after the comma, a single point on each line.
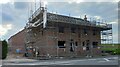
[4, 49]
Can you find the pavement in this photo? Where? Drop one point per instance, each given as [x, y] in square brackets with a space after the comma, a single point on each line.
[18, 61]
[112, 60]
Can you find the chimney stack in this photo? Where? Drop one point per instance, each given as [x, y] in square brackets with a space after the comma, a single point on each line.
[85, 18]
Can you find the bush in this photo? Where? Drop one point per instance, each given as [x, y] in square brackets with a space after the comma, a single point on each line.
[4, 49]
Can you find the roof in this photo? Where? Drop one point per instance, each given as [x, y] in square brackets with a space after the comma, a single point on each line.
[72, 20]
[16, 34]
[38, 15]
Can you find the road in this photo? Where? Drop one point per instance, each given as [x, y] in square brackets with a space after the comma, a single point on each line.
[93, 61]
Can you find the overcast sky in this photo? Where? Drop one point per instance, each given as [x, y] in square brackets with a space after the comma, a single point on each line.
[14, 15]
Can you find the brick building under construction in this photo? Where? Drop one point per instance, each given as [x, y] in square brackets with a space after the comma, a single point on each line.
[53, 35]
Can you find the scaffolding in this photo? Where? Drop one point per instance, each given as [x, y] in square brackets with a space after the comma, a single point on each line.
[107, 36]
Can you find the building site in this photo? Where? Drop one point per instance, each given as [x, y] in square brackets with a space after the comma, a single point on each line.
[51, 35]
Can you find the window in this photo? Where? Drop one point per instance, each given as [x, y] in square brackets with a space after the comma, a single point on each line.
[83, 43]
[95, 44]
[71, 47]
[85, 31]
[72, 30]
[87, 45]
[61, 44]
[76, 43]
[87, 48]
[71, 39]
[61, 29]
[94, 32]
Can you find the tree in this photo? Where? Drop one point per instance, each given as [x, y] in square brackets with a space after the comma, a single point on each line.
[4, 49]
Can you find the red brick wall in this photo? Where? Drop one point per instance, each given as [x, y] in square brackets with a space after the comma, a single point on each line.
[17, 41]
[48, 42]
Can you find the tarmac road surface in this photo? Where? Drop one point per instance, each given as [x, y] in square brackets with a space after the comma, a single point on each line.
[93, 62]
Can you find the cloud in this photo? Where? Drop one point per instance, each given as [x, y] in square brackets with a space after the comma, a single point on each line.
[8, 26]
[78, 1]
[21, 5]
[6, 17]
[69, 1]
[4, 1]
[97, 17]
[4, 29]
[13, 19]
[113, 22]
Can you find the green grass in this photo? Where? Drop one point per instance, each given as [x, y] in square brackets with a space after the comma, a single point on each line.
[109, 47]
